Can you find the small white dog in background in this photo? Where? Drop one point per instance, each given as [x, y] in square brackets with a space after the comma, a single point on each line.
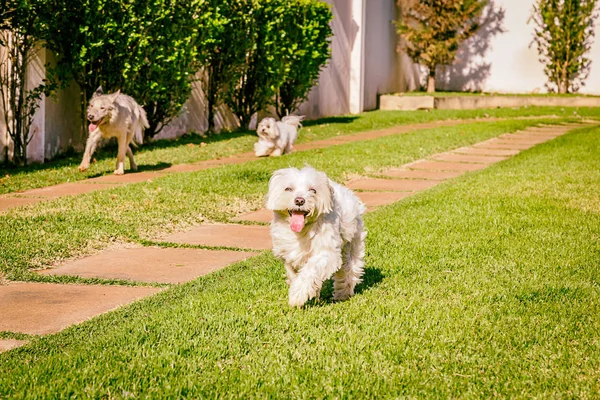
[277, 137]
[318, 232]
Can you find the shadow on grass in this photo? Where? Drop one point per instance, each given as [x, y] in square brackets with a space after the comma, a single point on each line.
[71, 158]
[371, 278]
[346, 119]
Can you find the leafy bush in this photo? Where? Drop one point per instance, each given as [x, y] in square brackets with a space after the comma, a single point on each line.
[223, 52]
[286, 47]
[146, 49]
[305, 53]
[432, 30]
[563, 35]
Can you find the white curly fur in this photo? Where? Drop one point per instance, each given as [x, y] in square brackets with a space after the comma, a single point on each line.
[277, 137]
[328, 242]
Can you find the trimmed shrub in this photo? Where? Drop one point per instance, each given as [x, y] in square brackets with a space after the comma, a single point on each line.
[287, 44]
[305, 53]
[146, 49]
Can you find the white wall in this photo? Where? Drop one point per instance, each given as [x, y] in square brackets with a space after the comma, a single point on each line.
[386, 71]
[504, 62]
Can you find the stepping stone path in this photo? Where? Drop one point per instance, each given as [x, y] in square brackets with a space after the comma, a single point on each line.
[43, 308]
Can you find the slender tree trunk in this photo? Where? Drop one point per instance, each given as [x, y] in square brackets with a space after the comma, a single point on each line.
[431, 80]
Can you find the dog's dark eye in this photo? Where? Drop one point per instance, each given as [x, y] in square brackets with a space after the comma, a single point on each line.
[288, 189]
[313, 191]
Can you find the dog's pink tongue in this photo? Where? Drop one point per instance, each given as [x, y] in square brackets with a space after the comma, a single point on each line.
[92, 127]
[297, 221]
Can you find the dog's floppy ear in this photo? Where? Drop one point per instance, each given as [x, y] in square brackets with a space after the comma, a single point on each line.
[274, 189]
[98, 92]
[324, 199]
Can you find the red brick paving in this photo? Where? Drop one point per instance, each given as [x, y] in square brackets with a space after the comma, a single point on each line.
[42, 308]
[228, 235]
[151, 264]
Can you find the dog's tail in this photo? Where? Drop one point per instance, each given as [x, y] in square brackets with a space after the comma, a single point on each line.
[293, 120]
[138, 136]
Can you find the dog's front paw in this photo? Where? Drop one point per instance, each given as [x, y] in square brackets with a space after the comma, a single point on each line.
[83, 167]
[299, 294]
[119, 172]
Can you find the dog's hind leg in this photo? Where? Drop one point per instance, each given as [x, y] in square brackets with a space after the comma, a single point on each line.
[132, 163]
[346, 279]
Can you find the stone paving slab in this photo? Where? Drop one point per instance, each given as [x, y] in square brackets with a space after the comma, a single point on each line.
[42, 308]
[391, 184]
[12, 202]
[133, 177]
[376, 199]
[469, 158]
[150, 264]
[262, 215]
[445, 166]
[9, 344]
[421, 174]
[522, 139]
[503, 144]
[256, 237]
[66, 189]
[486, 152]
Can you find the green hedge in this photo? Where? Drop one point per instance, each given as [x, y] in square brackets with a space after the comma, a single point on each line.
[255, 53]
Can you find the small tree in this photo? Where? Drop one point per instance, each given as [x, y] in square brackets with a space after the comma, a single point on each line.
[432, 30]
[222, 50]
[563, 34]
[20, 33]
[305, 52]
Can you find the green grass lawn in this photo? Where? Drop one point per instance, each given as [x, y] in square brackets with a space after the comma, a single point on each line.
[484, 286]
[46, 233]
[189, 149]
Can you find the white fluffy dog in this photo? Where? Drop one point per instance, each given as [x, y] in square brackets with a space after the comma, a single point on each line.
[317, 230]
[277, 137]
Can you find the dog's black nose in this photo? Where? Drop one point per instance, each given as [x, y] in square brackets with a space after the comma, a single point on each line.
[299, 201]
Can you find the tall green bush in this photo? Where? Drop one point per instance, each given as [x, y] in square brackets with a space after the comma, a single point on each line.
[263, 70]
[287, 44]
[563, 34]
[223, 52]
[146, 49]
[306, 52]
